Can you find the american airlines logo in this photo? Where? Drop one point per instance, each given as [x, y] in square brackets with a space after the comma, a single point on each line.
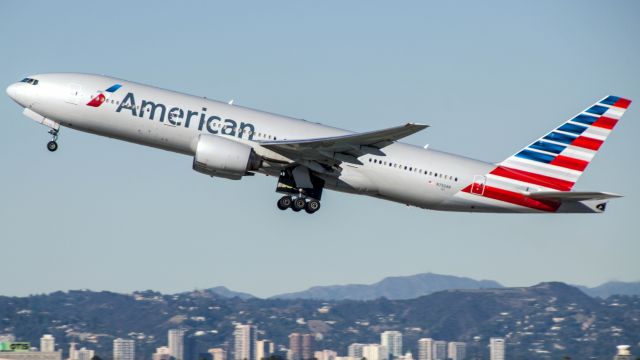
[101, 97]
[187, 118]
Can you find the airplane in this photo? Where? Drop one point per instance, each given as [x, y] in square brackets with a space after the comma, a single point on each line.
[230, 141]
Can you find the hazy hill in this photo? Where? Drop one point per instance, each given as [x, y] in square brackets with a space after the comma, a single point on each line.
[613, 288]
[397, 287]
[226, 292]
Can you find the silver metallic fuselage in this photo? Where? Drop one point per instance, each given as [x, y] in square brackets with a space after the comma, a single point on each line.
[62, 98]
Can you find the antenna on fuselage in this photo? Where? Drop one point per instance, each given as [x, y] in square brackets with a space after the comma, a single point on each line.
[230, 102]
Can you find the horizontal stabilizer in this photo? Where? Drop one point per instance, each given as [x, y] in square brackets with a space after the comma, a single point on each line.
[573, 195]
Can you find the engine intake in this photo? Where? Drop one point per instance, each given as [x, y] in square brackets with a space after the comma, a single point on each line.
[220, 157]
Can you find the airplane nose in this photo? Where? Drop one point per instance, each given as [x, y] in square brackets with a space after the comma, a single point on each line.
[12, 91]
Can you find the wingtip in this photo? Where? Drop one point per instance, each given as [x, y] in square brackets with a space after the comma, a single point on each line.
[412, 124]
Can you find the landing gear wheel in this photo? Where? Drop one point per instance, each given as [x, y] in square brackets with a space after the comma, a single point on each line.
[52, 146]
[312, 206]
[285, 202]
[298, 204]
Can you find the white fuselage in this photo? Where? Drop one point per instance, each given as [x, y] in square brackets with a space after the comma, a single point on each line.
[406, 174]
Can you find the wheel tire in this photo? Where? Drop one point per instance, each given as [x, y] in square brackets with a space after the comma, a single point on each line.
[298, 204]
[52, 146]
[285, 202]
[312, 206]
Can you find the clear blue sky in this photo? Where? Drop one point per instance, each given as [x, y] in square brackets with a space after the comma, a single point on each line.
[489, 77]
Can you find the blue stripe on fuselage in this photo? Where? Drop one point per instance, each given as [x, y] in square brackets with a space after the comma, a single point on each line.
[114, 88]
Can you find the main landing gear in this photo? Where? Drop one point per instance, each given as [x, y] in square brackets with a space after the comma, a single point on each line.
[53, 144]
[302, 189]
[298, 204]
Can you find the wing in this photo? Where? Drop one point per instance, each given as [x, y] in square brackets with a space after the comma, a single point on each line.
[333, 150]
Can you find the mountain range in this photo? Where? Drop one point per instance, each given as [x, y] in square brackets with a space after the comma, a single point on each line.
[393, 288]
[413, 286]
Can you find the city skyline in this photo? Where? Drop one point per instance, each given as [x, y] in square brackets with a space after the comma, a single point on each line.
[487, 78]
[124, 349]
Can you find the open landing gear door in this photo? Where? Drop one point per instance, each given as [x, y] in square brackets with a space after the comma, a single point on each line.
[287, 185]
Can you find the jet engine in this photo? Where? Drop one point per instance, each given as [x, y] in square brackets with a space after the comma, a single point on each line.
[220, 157]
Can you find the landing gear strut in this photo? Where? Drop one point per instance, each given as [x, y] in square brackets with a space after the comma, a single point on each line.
[53, 145]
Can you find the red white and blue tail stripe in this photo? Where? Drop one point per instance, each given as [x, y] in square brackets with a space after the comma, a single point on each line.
[555, 161]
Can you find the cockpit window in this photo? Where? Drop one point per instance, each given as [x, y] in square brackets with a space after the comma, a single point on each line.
[30, 81]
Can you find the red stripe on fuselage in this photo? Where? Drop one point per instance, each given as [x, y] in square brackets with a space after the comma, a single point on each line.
[569, 163]
[516, 198]
[533, 178]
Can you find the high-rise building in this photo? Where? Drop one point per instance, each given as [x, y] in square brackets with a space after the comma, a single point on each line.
[162, 353]
[457, 350]
[47, 343]
[124, 349]
[244, 346]
[439, 350]
[496, 348]
[264, 349]
[218, 353]
[73, 351]
[355, 350]
[375, 352]
[393, 341]
[325, 355]
[425, 349]
[295, 346]
[176, 343]
[308, 346]
[85, 354]
[301, 346]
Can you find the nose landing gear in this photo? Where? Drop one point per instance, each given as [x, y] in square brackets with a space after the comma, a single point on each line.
[53, 144]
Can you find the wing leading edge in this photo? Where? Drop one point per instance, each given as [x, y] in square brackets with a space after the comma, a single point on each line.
[347, 148]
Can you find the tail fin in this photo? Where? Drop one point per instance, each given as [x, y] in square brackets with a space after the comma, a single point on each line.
[556, 161]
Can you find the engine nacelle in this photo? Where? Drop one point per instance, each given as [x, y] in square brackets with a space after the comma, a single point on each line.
[217, 156]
